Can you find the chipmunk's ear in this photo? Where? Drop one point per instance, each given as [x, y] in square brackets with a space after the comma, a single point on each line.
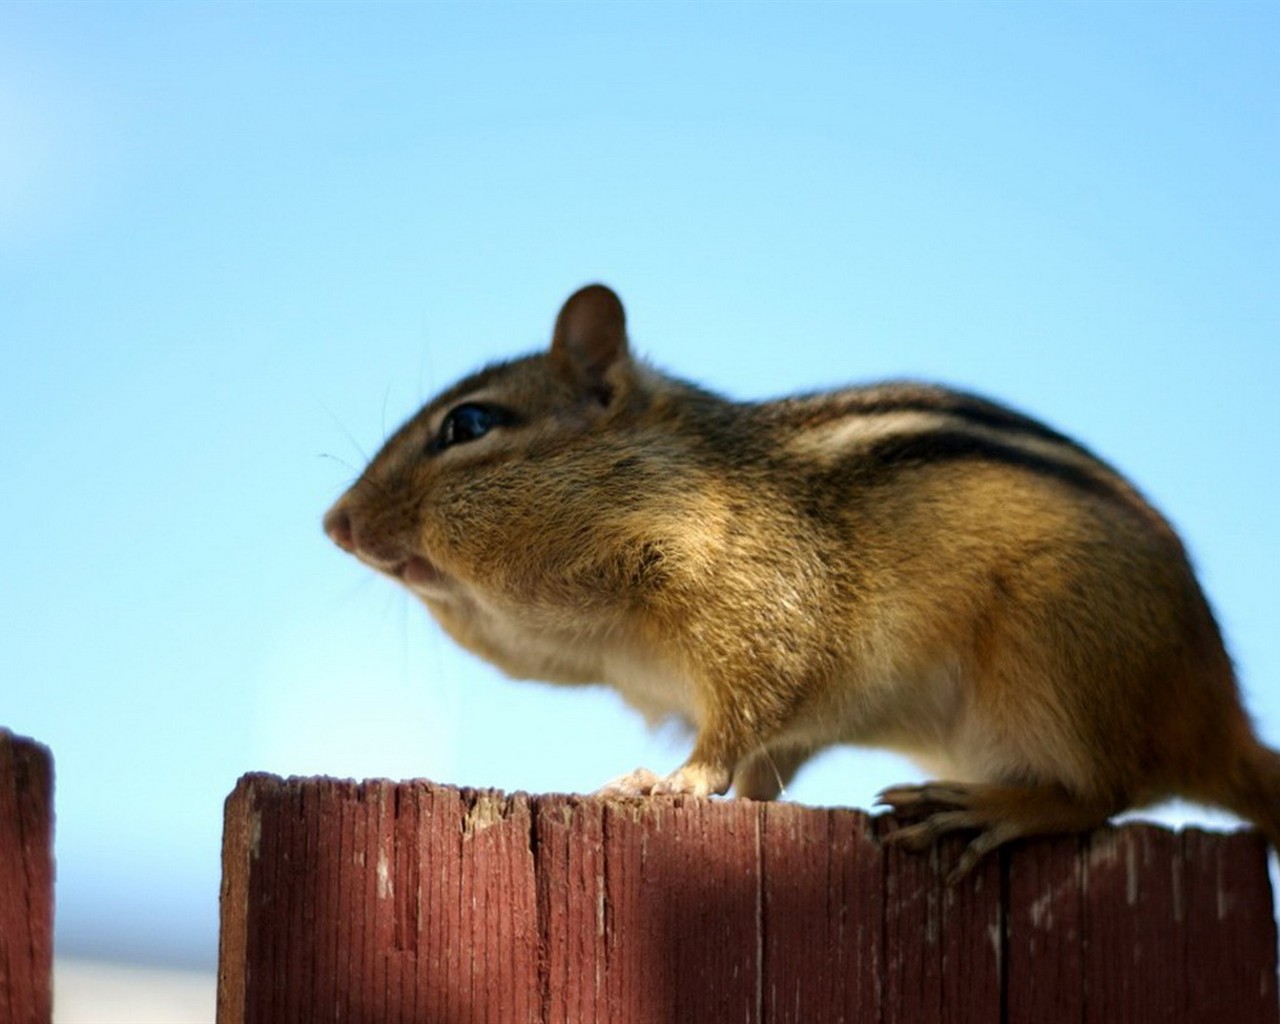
[590, 336]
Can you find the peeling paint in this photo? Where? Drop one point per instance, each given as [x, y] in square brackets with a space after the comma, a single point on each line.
[385, 887]
[1042, 911]
[1131, 874]
[1226, 902]
[1102, 849]
[487, 810]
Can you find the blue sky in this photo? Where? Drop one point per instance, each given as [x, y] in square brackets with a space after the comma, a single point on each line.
[240, 242]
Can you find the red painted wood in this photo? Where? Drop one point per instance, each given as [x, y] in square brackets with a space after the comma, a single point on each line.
[823, 941]
[573, 905]
[1133, 938]
[972, 941]
[413, 903]
[26, 881]
[1229, 927]
[943, 943]
[333, 891]
[1044, 931]
[912, 934]
[682, 901]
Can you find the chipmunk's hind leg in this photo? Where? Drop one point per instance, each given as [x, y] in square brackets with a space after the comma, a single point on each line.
[997, 813]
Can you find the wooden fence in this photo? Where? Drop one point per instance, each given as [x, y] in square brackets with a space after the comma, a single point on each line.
[26, 881]
[423, 904]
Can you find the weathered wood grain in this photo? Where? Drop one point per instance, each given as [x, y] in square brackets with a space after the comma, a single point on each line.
[822, 946]
[417, 903]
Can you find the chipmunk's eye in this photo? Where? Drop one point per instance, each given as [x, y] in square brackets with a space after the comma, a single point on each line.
[467, 422]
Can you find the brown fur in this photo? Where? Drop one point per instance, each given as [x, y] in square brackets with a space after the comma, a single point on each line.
[901, 566]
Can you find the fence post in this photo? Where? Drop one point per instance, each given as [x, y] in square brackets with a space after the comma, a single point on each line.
[26, 881]
[418, 903]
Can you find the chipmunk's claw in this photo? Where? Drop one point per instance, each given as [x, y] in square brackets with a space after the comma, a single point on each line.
[997, 813]
[938, 809]
[913, 802]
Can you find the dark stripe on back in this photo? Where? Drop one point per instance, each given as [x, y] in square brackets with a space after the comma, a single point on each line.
[979, 412]
[929, 447]
[922, 398]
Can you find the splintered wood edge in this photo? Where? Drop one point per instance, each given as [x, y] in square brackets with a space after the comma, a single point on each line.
[241, 835]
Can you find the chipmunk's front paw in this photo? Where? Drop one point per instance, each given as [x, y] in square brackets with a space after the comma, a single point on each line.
[637, 783]
[688, 780]
[695, 780]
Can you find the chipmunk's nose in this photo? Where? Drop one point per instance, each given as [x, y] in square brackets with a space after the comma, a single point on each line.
[337, 524]
[368, 541]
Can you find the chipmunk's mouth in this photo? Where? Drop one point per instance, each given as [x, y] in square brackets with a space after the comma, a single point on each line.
[420, 575]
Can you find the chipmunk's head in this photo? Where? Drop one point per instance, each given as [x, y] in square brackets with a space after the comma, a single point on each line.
[493, 474]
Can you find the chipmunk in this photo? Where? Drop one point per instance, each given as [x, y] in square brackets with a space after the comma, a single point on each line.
[900, 565]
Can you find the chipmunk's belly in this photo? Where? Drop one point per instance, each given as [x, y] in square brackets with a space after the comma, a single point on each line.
[914, 711]
[651, 688]
[931, 716]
